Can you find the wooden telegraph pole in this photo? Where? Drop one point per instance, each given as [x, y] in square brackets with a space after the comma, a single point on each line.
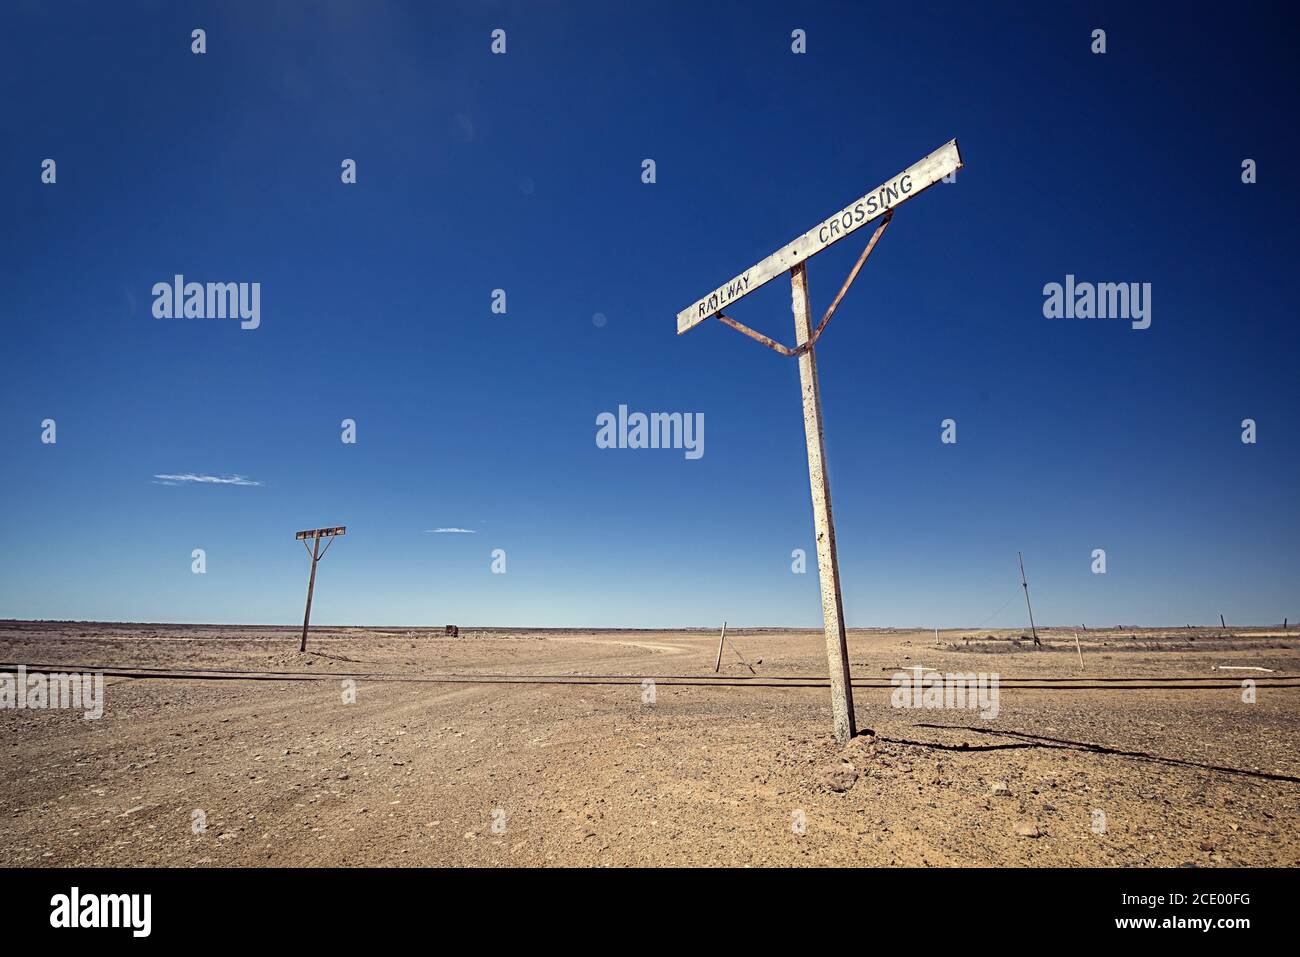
[791, 259]
[311, 586]
[721, 638]
[315, 534]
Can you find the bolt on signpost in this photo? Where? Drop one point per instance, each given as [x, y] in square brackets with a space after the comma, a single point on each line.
[315, 534]
[880, 202]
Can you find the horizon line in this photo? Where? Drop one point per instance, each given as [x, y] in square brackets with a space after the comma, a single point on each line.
[1284, 625]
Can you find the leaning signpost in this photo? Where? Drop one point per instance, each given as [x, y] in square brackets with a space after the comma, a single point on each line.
[315, 534]
[880, 202]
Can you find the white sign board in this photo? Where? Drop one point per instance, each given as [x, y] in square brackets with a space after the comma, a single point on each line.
[916, 178]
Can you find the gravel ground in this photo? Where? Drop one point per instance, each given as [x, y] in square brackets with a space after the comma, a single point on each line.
[186, 772]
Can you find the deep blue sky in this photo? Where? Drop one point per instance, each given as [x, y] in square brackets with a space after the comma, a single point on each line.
[523, 172]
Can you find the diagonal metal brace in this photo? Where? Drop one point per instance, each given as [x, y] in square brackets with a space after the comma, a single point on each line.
[816, 333]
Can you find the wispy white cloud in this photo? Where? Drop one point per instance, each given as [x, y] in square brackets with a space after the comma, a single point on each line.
[450, 531]
[188, 478]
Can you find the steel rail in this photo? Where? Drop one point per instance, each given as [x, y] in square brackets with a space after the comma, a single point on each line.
[699, 681]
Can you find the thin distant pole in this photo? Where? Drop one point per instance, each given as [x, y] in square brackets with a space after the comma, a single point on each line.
[1078, 649]
[311, 584]
[723, 637]
[1025, 583]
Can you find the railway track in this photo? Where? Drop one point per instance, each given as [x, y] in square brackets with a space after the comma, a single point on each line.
[1005, 682]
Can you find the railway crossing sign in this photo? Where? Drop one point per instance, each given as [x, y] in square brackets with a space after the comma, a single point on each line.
[315, 535]
[881, 200]
[880, 203]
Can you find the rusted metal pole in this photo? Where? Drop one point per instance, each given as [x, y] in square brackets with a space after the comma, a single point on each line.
[723, 637]
[828, 566]
[311, 584]
[1025, 582]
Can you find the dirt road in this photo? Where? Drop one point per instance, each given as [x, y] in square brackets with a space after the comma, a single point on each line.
[425, 767]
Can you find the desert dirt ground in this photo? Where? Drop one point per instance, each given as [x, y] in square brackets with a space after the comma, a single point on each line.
[224, 746]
